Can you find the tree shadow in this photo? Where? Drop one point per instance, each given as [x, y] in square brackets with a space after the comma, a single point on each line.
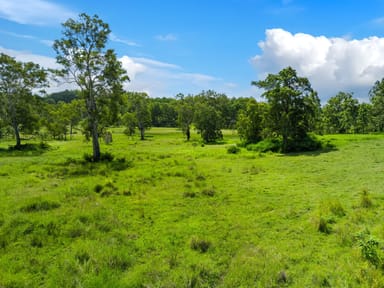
[25, 150]
[323, 150]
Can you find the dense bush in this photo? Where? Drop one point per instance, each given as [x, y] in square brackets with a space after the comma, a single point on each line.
[233, 149]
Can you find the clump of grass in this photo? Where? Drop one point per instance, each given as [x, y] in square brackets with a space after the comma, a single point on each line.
[127, 193]
[336, 208]
[233, 149]
[98, 188]
[209, 192]
[365, 199]
[324, 226]
[40, 205]
[282, 278]
[200, 245]
[200, 177]
[189, 194]
[104, 157]
[120, 164]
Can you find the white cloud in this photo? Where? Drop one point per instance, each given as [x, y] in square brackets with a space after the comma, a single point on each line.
[36, 12]
[158, 79]
[114, 38]
[161, 79]
[331, 64]
[26, 56]
[167, 37]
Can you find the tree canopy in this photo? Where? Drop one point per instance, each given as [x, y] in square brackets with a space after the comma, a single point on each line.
[96, 71]
[293, 106]
[17, 103]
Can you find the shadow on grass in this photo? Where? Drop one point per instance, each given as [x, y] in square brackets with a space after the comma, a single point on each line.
[323, 150]
[85, 167]
[30, 149]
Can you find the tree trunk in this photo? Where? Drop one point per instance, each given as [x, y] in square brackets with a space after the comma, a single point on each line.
[141, 133]
[188, 133]
[17, 135]
[95, 141]
[93, 123]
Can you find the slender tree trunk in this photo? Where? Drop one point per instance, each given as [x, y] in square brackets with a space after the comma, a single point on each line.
[95, 141]
[141, 133]
[93, 124]
[17, 135]
[188, 133]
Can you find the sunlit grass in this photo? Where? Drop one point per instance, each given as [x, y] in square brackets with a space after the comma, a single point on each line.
[184, 214]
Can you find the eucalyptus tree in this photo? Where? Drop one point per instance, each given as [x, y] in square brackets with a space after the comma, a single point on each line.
[340, 114]
[186, 112]
[139, 112]
[251, 121]
[376, 95]
[293, 106]
[96, 71]
[18, 80]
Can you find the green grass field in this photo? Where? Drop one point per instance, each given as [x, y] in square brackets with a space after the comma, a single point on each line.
[170, 213]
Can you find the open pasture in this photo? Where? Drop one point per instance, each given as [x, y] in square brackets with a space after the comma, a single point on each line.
[170, 213]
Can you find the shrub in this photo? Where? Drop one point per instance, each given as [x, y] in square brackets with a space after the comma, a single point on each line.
[98, 188]
[200, 245]
[369, 247]
[307, 143]
[233, 149]
[270, 144]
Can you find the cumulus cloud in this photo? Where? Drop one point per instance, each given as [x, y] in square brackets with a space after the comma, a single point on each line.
[35, 12]
[331, 64]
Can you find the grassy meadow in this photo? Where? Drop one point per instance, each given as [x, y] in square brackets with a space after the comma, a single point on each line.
[170, 213]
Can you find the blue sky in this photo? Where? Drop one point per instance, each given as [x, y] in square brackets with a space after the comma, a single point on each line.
[187, 46]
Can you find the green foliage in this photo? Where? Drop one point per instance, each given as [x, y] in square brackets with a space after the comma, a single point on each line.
[17, 104]
[267, 145]
[293, 106]
[233, 149]
[83, 57]
[163, 112]
[369, 248]
[138, 113]
[186, 112]
[377, 99]
[66, 96]
[250, 123]
[340, 114]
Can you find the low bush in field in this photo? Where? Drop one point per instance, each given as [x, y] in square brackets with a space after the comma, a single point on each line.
[272, 144]
[307, 143]
[233, 149]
